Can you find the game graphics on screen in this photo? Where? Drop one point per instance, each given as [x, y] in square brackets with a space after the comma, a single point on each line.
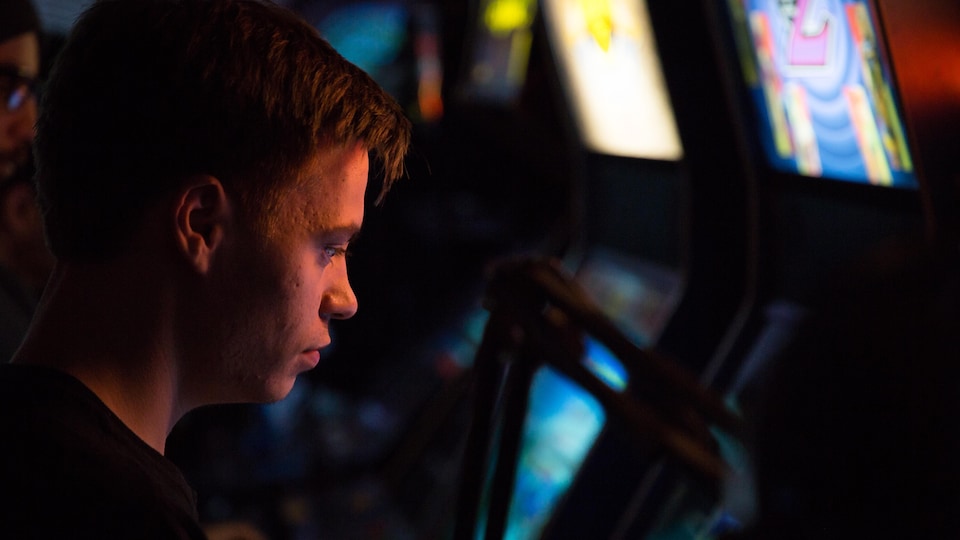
[823, 89]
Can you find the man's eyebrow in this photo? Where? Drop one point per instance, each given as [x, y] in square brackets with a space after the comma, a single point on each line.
[349, 231]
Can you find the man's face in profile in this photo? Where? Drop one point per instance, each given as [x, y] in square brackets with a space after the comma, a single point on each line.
[274, 289]
[19, 66]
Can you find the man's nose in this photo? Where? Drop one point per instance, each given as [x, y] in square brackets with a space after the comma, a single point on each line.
[22, 123]
[339, 301]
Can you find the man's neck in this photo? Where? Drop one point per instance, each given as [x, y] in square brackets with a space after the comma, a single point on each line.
[87, 326]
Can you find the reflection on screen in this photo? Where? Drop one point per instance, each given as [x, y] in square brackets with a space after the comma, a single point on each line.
[637, 295]
[608, 59]
[818, 75]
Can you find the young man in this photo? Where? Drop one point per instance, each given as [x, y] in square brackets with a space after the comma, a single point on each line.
[202, 166]
[25, 261]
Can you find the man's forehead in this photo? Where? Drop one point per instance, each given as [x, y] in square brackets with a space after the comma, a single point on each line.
[335, 163]
[21, 53]
[17, 17]
[332, 182]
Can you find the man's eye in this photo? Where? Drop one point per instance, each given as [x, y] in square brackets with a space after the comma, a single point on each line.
[333, 252]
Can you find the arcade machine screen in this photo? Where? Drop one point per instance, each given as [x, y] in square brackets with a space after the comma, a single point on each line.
[561, 424]
[502, 36]
[821, 82]
[608, 61]
[371, 35]
[610, 71]
[394, 41]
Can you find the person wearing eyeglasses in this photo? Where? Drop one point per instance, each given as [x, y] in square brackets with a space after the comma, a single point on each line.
[19, 68]
[25, 261]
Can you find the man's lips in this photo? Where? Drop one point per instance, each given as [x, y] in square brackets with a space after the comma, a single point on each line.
[313, 355]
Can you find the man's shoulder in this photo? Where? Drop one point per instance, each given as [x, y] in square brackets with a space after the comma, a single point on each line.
[65, 458]
[37, 402]
[54, 425]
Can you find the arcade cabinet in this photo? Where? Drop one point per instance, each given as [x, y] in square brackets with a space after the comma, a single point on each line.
[661, 249]
[836, 131]
[838, 154]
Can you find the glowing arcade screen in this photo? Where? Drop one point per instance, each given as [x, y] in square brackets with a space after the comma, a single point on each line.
[500, 49]
[375, 36]
[820, 80]
[562, 423]
[607, 56]
[371, 35]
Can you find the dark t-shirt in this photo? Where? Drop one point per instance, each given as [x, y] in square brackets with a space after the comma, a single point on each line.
[17, 304]
[69, 468]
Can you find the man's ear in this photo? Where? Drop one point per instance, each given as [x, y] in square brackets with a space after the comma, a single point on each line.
[202, 213]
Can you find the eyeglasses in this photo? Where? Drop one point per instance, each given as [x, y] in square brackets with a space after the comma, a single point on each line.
[15, 88]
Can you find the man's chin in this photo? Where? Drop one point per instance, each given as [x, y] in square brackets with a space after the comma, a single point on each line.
[255, 390]
[277, 390]
[7, 169]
